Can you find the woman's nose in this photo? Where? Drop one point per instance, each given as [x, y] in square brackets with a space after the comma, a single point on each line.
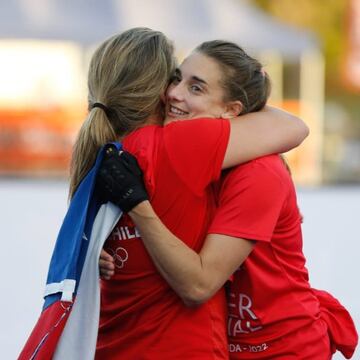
[174, 92]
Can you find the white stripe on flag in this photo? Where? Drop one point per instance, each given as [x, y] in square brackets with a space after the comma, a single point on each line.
[66, 287]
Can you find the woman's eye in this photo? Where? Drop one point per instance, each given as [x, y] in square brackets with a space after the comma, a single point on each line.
[195, 88]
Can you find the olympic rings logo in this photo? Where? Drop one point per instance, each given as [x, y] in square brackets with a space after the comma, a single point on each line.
[120, 256]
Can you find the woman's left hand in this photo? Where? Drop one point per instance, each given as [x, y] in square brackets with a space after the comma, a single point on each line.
[106, 265]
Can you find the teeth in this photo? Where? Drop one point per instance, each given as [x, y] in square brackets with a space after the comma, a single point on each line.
[177, 111]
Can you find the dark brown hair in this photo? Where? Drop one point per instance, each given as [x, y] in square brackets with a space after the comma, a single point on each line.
[243, 76]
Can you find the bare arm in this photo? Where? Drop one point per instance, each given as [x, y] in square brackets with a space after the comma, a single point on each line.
[264, 132]
[194, 277]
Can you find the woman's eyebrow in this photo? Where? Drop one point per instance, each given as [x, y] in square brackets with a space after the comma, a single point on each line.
[196, 78]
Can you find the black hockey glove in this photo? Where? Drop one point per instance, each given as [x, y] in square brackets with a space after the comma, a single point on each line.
[119, 180]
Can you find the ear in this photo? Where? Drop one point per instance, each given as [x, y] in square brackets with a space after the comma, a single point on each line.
[232, 109]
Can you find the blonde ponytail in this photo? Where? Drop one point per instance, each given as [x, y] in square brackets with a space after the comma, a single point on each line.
[95, 132]
[127, 74]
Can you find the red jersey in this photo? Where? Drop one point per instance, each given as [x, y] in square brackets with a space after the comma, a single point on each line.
[269, 295]
[141, 316]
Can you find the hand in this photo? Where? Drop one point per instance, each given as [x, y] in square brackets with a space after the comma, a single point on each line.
[106, 265]
[119, 180]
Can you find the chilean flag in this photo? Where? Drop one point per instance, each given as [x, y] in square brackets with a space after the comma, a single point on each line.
[68, 325]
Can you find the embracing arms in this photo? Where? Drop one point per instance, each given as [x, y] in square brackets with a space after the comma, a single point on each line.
[195, 277]
[264, 132]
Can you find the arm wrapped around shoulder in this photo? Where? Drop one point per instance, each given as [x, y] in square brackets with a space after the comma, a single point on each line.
[120, 181]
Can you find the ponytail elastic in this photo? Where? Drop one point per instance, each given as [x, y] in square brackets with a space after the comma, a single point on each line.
[101, 106]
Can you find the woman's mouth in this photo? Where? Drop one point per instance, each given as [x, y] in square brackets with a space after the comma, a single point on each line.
[174, 111]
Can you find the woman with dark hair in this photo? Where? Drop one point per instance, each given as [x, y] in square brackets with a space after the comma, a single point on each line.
[255, 234]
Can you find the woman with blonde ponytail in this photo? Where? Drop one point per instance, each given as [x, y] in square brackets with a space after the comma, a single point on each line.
[141, 316]
[123, 94]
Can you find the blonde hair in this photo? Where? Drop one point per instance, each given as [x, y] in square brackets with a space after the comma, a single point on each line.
[128, 72]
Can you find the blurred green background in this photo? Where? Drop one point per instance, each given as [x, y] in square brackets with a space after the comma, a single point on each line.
[336, 24]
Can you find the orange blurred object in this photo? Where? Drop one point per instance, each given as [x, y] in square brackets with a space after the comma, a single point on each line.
[37, 141]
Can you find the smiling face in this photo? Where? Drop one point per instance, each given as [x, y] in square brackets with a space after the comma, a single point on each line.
[196, 90]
